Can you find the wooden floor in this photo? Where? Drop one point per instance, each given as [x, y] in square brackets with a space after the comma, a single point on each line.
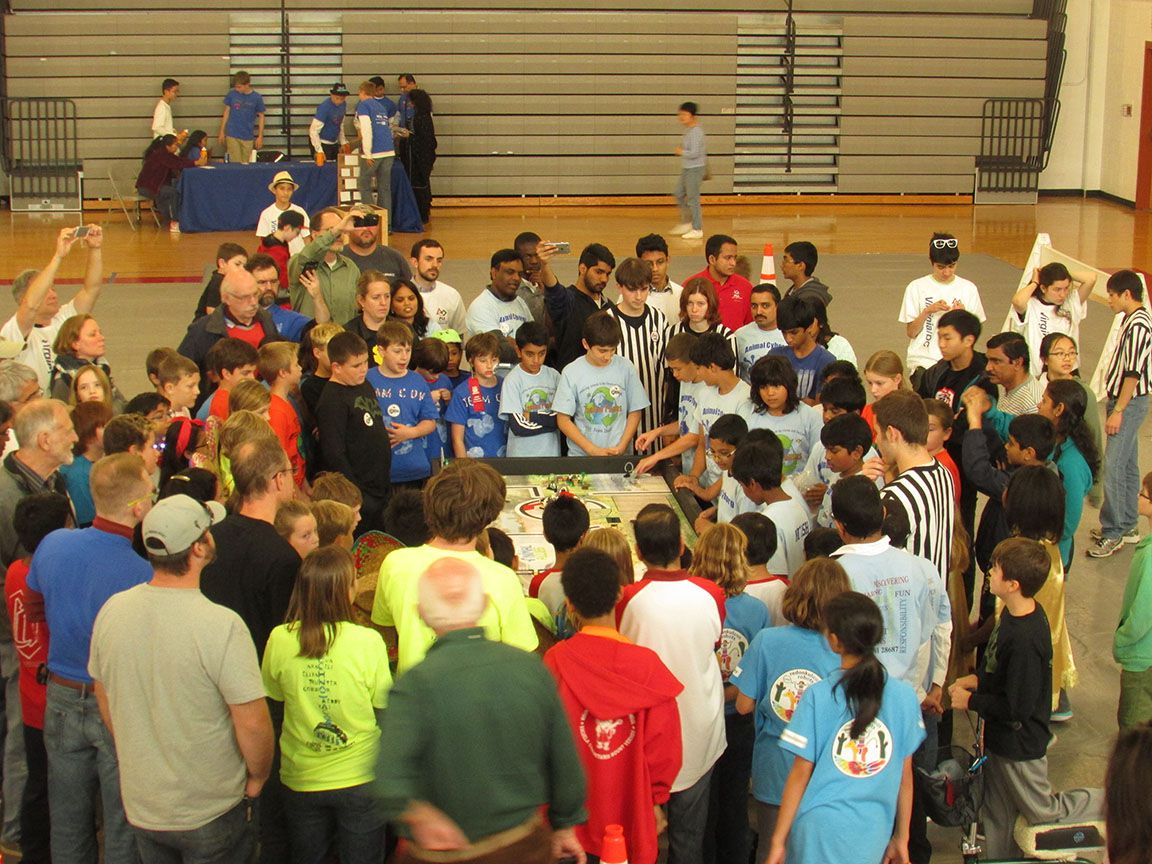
[1107, 235]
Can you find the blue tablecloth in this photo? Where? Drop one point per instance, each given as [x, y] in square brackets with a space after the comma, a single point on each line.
[228, 197]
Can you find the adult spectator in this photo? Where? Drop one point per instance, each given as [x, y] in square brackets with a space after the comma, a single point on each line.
[443, 795]
[1019, 392]
[162, 122]
[531, 290]
[326, 132]
[499, 309]
[188, 715]
[442, 302]
[243, 119]
[39, 314]
[405, 83]
[680, 617]
[665, 294]
[76, 572]
[376, 147]
[569, 306]
[80, 344]
[289, 323]
[368, 253]
[798, 266]
[325, 259]
[420, 142]
[733, 290]
[158, 175]
[18, 387]
[238, 316]
[693, 153]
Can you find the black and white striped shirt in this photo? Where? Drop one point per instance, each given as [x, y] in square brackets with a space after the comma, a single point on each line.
[926, 496]
[1133, 355]
[644, 339]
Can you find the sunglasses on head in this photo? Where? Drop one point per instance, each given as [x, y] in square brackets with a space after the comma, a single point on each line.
[949, 243]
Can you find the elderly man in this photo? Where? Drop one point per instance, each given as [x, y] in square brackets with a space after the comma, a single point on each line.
[238, 316]
[188, 715]
[76, 572]
[289, 323]
[39, 314]
[471, 713]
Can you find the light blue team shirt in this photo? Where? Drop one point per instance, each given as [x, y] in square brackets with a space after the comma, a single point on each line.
[711, 405]
[488, 312]
[849, 806]
[779, 665]
[406, 400]
[242, 111]
[818, 467]
[524, 393]
[484, 432]
[686, 410]
[732, 500]
[798, 431]
[599, 399]
[752, 343]
[744, 617]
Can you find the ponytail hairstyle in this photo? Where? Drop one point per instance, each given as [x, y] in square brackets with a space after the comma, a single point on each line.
[855, 621]
[1070, 424]
[1049, 274]
[321, 599]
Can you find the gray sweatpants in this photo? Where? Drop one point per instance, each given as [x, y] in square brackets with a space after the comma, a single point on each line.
[1014, 789]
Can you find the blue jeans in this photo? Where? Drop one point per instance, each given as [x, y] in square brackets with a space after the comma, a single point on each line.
[227, 839]
[1119, 515]
[688, 196]
[15, 768]
[350, 818]
[381, 169]
[81, 765]
[688, 820]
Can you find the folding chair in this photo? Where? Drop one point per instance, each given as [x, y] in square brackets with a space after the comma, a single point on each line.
[136, 200]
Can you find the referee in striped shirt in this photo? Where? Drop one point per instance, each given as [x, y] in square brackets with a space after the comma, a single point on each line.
[645, 335]
[1127, 384]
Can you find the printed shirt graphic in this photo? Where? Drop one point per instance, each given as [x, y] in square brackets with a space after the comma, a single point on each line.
[798, 431]
[488, 312]
[599, 399]
[744, 617]
[918, 296]
[525, 394]
[485, 434]
[752, 343]
[606, 739]
[406, 400]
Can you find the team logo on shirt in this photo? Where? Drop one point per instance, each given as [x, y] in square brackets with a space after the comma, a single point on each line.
[603, 407]
[786, 691]
[393, 411]
[368, 421]
[865, 756]
[607, 738]
[537, 400]
[946, 395]
[733, 644]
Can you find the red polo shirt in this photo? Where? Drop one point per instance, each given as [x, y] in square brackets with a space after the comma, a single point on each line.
[735, 295]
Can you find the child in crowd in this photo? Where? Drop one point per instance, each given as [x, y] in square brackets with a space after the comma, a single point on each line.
[722, 393]
[682, 387]
[778, 666]
[1054, 301]
[455, 343]
[430, 359]
[335, 524]
[611, 686]
[178, 381]
[279, 368]
[940, 423]
[1013, 693]
[1132, 642]
[296, 524]
[565, 522]
[135, 434]
[332, 676]
[152, 362]
[762, 584]
[152, 405]
[404, 518]
[758, 467]
[406, 402]
[334, 486]
[719, 557]
[1127, 809]
[35, 517]
[353, 438]
[600, 398]
[89, 420]
[928, 298]
[848, 795]
[777, 406]
[798, 320]
[527, 394]
[613, 541]
[270, 220]
[230, 257]
[821, 543]
[250, 395]
[1075, 454]
[883, 374]
[229, 360]
[837, 345]
[840, 394]
[724, 437]
[281, 243]
[474, 413]
[846, 442]
[314, 364]
[755, 340]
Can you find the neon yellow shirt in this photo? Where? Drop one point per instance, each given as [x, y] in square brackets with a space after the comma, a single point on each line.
[506, 618]
[330, 738]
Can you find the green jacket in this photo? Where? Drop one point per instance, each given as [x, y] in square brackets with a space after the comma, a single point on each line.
[337, 282]
[1132, 644]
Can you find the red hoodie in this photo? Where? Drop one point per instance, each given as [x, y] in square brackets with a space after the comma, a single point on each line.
[621, 702]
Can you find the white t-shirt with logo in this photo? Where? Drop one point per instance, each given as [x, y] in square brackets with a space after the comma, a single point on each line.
[442, 304]
[1042, 318]
[38, 354]
[918, 296]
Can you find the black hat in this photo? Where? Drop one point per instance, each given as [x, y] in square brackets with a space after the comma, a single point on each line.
[338, 89]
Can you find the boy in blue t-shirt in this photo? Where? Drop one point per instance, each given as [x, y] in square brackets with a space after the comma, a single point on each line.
[474, 413]
[430, 359]
[410, 414]
[755, 340]
[600, 398]
[527, 394]
[243, 119]
[797, 319]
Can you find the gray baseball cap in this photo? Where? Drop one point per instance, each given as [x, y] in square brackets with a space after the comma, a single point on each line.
[175, 523]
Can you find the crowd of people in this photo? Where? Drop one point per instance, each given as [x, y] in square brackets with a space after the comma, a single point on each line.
[263, 604]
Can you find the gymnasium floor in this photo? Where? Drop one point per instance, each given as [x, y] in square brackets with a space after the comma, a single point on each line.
[870, 251]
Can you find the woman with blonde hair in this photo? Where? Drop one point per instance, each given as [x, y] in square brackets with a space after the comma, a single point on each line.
[79, 344]
[374, 299]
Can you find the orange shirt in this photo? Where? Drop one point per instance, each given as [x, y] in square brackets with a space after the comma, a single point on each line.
[944, 459]
[286, 424]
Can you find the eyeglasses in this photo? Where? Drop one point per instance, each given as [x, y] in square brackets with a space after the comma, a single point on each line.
[1063, 355]
[950, 243]
[159, 446]
[723, 454]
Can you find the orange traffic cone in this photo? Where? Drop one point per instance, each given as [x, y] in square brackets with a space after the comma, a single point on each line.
[613, 849]
[768, 268]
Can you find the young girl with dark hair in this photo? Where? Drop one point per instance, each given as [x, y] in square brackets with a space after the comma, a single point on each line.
[777, 406]
[1075, 454]
[853, 736]
[1061, 362]
[333, 678]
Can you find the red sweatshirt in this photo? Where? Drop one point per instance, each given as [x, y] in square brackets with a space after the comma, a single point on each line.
[621, 702]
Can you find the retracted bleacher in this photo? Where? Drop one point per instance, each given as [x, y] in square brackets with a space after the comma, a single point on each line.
[41, 155]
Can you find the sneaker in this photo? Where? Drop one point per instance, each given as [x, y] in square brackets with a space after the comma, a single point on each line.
[694, 234]
[682, 228]
[1061, 715]
[174, 227]
[1105, 547]
[1132, 536]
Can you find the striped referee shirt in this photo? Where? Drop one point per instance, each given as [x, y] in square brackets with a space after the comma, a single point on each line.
[1133, 355]
[644, 339]
[926, 495]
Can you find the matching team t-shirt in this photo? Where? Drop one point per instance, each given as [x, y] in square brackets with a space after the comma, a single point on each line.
[476, 407]
[599, 399]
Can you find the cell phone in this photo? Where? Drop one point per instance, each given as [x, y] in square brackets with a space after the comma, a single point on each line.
[368, 220]
[81, 231]
[310, 267]
[562, 247]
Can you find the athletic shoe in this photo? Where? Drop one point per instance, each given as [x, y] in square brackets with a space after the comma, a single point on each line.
[681, 229]
[1061, 715]
[174, 227]
[1132, 536]
[694, 234]
[1105, 547]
